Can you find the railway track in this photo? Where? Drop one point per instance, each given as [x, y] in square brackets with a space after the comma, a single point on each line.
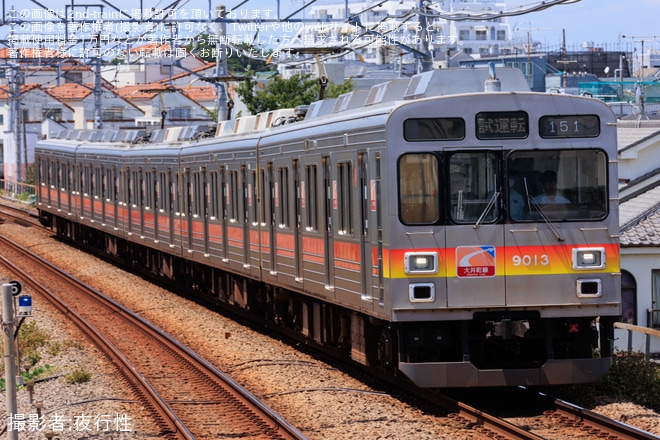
[188, 397]
[544, 416]
[563, 416]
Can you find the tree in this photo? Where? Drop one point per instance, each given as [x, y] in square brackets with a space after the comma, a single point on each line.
[241, 57]
[280, 93]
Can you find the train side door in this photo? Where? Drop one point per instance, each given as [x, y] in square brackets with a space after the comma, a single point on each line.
[365, 227]
[225, 214]
[204, 214]
[272, 220]
[475, 234]
[348, 241]
[327, 226]
[171, 207]
[297, 220]
[246, 217]
[187, 211]
[141, 199]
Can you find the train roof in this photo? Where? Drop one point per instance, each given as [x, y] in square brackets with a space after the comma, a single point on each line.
[441, 82]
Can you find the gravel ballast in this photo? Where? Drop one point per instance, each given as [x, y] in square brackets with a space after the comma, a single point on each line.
[320, 401]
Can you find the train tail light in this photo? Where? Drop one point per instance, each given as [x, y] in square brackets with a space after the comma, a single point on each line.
[421, 292]
[589, 288]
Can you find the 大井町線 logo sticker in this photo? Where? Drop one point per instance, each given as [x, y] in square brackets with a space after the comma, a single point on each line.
[475, 261]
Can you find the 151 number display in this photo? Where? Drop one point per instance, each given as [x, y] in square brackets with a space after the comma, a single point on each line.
[569, 126]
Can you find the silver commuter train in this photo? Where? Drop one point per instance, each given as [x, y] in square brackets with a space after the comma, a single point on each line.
[407, 226]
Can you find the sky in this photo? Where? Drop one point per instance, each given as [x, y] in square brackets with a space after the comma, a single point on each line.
[611, 24]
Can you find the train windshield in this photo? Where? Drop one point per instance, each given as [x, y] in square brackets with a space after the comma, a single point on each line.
[557, 184]
[473, 190]
[418, 189]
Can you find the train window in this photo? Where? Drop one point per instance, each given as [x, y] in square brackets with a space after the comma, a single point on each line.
[345, 197]
[262, 191]
[232, 196]
[429, 129]
[54, 175]
[213, 194]
[418, 189]
[174, 190]
[98, 178]
[310, 199]
[473, 187]
[68, 172]
[195, 198]
[85, 181]
[253, 197]
[558, 185]
[108, 194]
[147, 188]
[282, 196]
[502, 125]
[118, 185]
[136, 187]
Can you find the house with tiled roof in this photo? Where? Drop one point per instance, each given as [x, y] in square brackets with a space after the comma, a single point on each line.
[639, 220]
[152, 62]
[180, 105]
[42, 66]
[80, 97]
[35, 106]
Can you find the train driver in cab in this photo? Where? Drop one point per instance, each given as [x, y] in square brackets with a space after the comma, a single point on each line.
[549, 195]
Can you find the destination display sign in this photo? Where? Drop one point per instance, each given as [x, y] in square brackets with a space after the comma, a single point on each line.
[569, 126]
[502, 125]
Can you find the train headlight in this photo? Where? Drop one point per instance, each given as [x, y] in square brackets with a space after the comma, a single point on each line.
[421, 262]
[588, 258]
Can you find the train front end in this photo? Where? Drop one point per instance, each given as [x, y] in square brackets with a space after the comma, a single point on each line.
[503, 241]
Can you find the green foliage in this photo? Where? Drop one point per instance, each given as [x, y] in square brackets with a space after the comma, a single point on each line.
[334, 90]
[55, 348]
[631, 379]
[30, 341]
[281, 93]
[36, 373]
[241, 57]
[79, 375]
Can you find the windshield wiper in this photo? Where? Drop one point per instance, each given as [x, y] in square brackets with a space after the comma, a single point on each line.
[531, 202]
[490, 204]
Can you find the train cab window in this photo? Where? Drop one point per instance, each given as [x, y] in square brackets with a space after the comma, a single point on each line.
[473, 187]
[418, 189]
[560, 185]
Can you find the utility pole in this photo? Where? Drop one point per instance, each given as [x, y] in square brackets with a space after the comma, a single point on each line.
[564, 61]
[98, 87]
[221, 62]
[10, 364]
[640, 75]
[15, 81]
[424, 44]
